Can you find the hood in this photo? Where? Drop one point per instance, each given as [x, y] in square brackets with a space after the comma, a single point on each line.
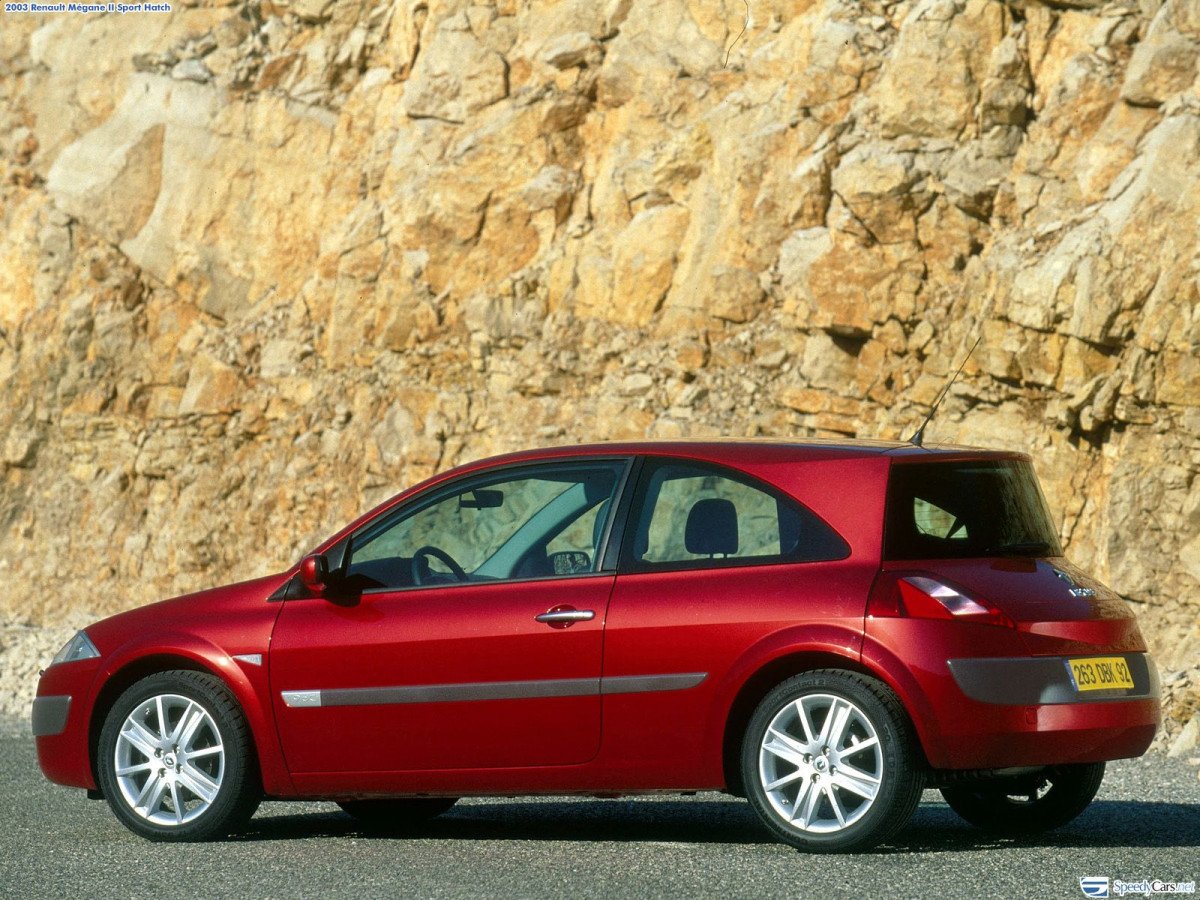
[216, 609]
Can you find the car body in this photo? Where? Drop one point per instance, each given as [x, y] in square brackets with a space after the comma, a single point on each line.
[824, 627]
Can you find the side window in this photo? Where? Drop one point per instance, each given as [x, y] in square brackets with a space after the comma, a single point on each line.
[691, 516]
[527, 523]
[581, 535]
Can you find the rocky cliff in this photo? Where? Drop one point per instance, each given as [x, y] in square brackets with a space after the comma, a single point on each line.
[265, 263]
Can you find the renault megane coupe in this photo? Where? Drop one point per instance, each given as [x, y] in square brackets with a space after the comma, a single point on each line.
[823, 628]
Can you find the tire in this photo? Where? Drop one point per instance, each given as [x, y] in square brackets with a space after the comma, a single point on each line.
[1027, 804]
[399, 814]
[830, 764]
[176, 760]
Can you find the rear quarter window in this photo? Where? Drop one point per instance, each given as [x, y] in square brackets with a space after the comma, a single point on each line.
[690, 516]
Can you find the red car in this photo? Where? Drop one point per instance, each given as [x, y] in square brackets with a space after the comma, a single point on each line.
[824, 628]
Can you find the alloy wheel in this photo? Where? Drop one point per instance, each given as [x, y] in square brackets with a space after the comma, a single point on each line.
[176, 759]
[169, 760]
[821, 764]
[830, 763]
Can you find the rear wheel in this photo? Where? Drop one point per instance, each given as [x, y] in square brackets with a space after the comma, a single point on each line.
[399, 814]
[1028, 804]
[176, 760]
[829, 762]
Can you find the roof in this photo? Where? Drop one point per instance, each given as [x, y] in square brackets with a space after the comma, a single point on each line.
[743, 450]
[745, 453]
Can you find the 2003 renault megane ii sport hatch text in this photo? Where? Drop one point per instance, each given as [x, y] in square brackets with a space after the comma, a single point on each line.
[825, 629]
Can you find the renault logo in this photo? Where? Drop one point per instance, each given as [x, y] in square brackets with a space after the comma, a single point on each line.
[1072, 589]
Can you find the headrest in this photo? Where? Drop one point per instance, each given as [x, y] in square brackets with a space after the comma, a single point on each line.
[712, 528]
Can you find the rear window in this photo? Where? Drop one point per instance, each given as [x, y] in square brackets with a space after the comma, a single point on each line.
[952, 510]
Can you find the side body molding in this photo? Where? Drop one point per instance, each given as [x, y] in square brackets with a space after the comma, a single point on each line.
[496, 690]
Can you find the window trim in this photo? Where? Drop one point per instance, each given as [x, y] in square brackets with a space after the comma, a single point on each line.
[467, 585]
[630, 565]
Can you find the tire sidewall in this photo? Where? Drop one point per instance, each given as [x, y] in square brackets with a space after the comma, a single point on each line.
[231, 802]
[892, 804]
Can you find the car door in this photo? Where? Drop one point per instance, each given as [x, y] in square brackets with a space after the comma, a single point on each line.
[713, 563]
[463, 631]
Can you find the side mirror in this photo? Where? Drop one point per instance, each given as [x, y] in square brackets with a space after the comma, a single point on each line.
[314, 573]
[569, 562]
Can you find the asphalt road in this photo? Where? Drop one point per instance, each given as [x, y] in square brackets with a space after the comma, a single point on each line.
[55, 843]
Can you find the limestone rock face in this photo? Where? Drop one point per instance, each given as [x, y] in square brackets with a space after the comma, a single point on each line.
[457, 75]
[931, 85]
[1164, 63]
[266, 264]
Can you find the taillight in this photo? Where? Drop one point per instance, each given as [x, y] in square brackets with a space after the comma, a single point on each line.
[921, 597]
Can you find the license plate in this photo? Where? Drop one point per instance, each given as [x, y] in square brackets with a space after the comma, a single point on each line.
[1100, 673]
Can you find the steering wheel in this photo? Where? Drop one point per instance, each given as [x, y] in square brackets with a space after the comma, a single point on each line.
[437, 553]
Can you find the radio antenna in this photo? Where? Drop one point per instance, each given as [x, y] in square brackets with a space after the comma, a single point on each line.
[919, 435]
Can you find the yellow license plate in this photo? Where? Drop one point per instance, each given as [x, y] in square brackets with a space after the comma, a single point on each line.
[1100, 673]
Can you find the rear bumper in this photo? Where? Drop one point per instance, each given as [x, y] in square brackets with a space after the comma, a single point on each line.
[1046, 680]
[1028, 712]
[1006, 736]
[978, 700]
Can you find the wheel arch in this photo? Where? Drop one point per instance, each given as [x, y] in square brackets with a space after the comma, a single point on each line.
[760, 683]
[120, 681]
[136, 664]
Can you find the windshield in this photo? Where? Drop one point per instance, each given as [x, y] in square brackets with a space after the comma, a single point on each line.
[967, 508]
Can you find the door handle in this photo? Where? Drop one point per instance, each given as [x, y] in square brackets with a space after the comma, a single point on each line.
[561, 617]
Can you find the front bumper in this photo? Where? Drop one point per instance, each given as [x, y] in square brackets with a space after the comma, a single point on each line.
[50, 715]
[60, 723]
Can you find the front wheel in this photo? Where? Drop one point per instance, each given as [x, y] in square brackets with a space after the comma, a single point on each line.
[176, 760]
[1027, 804]
[829, 762]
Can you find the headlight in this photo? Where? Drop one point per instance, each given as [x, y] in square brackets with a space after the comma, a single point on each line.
[78, 647]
